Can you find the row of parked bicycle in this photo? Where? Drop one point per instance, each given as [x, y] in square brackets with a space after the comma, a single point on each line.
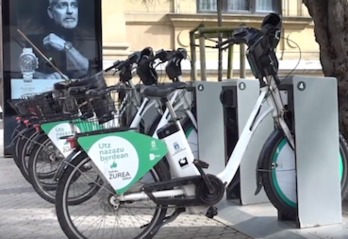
[44, 142]
[113, 171]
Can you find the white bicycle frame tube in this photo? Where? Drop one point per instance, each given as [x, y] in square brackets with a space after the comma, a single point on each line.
[271, 95]
[250, 127]
[268, 94]
[166, 115]
[141, 111]
[145, 106]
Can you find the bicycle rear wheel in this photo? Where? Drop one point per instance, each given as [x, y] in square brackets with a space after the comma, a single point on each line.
[18, 141]
[44, 161]
[93, 216]
[279, 175]
[14, 136]
[25, 146]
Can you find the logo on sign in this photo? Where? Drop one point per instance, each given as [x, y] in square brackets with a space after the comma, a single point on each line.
[113, 165]
[183, 162]
[176, 146]
[153, 144]
[120, 175]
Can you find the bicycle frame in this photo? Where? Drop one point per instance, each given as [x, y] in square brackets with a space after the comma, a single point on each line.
[142, 109]
[147, 104]
[167, 114]
[269, 97]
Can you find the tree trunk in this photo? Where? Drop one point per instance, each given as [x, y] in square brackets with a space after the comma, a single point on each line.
[331, 32]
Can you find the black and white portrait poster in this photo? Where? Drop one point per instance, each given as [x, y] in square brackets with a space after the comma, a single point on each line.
[46, 41]
[66, 38]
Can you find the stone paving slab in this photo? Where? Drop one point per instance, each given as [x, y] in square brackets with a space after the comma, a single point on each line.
[24, 215]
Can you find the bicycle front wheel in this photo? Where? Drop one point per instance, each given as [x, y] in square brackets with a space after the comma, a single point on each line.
[279, 174]
[94, 216]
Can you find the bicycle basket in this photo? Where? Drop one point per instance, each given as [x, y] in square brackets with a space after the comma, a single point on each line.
[44, 105]
[20, 106]
[105, 106]
[76, 102]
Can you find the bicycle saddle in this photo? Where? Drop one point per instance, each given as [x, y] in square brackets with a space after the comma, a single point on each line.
[162, 91]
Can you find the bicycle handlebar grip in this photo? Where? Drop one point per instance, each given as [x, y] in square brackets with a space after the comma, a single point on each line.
[119, 65]
[118, 88]
[161, 54]
[182, 53]
[240, 35]
[134, 57]
[114, 65]
[76, 89]
[95, 93]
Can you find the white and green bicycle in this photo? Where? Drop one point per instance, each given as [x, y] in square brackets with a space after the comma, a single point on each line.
[138, 191]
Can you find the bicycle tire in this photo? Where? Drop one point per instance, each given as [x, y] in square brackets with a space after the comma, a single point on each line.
[44, 156]
[25, 148]
[17, 143]
[284, 199]
[101, 200]
[14, 146]
[14, 136]
[19, 127]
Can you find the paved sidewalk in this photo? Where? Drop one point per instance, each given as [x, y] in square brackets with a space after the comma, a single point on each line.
[24, 215]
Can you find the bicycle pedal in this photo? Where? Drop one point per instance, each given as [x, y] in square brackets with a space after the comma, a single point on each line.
[200, 163]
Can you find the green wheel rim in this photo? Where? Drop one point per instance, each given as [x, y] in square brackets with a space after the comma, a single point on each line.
[275, 178]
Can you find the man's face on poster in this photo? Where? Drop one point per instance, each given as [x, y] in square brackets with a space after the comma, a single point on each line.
[64, 12]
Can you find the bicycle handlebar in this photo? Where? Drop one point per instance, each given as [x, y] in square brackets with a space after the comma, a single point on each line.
[246, 35]
[119, 65]
[114, 65]
[167, 55]
[270, 29]
[146, 69]
[261, 44]
[103, 92]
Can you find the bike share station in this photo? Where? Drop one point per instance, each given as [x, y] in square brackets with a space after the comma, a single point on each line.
[312, 102]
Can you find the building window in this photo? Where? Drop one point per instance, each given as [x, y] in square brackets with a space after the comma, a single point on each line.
[238, 6]
[207, 5]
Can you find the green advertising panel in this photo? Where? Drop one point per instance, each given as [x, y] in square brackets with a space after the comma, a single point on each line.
[123, 157]
[56, 130]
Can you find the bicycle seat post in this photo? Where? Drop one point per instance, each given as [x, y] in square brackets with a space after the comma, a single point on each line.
[170, 108]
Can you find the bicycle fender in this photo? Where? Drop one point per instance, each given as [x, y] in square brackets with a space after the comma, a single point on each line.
[65, 163]
[259, 183]
[265, 152]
